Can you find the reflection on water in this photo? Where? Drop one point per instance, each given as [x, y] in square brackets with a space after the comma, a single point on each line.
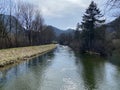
[62, 69]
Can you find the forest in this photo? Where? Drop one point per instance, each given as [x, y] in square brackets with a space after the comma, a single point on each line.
[93, 35]
[22, 24]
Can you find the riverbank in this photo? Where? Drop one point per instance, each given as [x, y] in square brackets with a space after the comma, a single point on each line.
[15, 55]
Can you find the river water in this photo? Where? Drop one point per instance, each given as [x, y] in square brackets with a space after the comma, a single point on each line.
[62, 69]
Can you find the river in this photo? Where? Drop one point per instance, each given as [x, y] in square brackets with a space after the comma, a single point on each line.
[62, 69]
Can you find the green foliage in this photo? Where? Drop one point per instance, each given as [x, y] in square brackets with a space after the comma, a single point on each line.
[91, 37]
[65, 38]
[77, 33]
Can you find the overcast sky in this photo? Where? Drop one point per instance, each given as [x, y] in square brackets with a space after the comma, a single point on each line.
[64, 13]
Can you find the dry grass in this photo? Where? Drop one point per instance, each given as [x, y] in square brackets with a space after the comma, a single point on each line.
[14, 55]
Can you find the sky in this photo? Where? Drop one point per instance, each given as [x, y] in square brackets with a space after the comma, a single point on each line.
[65, 14]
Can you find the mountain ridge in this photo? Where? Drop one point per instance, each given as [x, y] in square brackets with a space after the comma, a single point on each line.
[58, 31]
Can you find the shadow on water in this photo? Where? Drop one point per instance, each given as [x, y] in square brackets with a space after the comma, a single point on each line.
[33, 69]
[91, 69]
[115, 59]
[98, 73]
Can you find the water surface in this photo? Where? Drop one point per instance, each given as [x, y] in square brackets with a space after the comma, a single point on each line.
[62, 69]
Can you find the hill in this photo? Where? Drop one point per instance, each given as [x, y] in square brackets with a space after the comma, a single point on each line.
[8, 20]
[58, 31]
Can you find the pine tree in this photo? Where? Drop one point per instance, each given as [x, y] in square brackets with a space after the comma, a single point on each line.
[91, 19]
[77, 33]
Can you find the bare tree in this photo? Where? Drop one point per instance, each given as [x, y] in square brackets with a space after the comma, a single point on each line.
[22, 24]
[37, 26]
[4, 38]
[27, 16]
[17, 22]
[114, 5]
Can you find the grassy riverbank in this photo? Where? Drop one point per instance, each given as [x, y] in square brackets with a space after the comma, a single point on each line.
[15, 55]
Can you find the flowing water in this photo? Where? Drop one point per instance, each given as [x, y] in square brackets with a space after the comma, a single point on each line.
[62, 69]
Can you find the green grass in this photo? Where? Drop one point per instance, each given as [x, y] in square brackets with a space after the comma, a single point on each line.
[14, 55]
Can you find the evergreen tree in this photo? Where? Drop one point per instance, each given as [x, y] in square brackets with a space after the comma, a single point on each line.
[91, 19]
[77, 33]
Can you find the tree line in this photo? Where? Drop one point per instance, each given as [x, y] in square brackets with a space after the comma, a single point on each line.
[22, 24]
[91, 35]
